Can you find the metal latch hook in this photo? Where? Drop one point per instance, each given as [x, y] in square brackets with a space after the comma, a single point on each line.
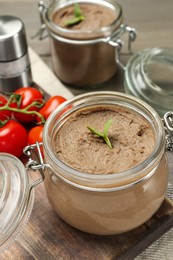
[35, 161]
[116, 41]
[42, 32]
[168, 124]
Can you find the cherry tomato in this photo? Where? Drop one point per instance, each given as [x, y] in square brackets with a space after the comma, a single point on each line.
[28, 96]
[35, 134]
[50, 106]
[13, 138]
[4, 114]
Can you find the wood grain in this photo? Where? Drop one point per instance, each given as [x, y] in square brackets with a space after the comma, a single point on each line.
[46, 236]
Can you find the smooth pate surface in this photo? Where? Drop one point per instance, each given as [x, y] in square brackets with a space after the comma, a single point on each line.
[95, 17]
[131, 135]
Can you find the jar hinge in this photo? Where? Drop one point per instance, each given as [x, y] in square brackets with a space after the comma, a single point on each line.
[35, 162]
[116, 41]
[42, 32]
[168, 124]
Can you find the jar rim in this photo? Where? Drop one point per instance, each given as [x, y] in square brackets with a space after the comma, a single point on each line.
[137, 171]
[75, 34]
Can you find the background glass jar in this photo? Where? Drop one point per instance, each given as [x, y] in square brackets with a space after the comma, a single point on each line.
[85, 57]
[105, 204]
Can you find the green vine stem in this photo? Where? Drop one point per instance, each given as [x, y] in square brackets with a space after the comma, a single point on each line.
[15, 98]
[3, 122]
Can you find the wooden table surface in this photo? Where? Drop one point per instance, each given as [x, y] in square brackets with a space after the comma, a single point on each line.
[42, 239]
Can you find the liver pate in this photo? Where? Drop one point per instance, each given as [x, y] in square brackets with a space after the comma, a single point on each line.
[95, 17]
[131, 135]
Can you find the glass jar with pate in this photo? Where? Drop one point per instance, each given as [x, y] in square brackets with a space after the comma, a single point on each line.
[84, 54]
[99, 190]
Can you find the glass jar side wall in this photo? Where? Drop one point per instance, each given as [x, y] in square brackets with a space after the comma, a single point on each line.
[106, 213]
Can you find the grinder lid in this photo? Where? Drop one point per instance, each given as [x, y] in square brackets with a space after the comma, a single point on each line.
[13, 42]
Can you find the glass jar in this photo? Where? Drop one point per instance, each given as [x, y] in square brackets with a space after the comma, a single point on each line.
[16, 198]
[97, 204]
[148, 75]
[84, 58]
[112, 203]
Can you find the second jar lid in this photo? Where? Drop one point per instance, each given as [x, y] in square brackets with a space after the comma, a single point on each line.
[149, 76]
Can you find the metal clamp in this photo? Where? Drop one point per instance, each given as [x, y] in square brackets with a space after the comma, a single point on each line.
[168, 124]
[42, 32]
[35, 162]
[112, 40]
[116, 41]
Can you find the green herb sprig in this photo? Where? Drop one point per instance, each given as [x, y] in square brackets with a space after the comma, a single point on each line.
[103, 134]
[78, 17]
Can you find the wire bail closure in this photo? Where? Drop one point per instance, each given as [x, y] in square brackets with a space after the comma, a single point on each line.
[35, 162]
[42, 32]
[168, 124]
[116, 41]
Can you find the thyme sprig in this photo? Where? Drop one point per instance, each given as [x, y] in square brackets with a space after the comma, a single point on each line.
[78, 17]
[103, 134]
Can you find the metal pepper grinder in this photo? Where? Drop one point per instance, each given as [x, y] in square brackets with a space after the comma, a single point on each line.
[15, 69]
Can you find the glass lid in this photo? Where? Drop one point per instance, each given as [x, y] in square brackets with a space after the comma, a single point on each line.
[149, 76]
[14, 197]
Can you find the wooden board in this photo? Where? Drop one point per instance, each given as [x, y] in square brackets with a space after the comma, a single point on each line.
[46, 236]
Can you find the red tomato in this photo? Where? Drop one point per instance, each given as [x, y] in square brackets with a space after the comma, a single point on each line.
[35, 135]
[28, 96]
[4, 114]
[50, 106]
[13, 138]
